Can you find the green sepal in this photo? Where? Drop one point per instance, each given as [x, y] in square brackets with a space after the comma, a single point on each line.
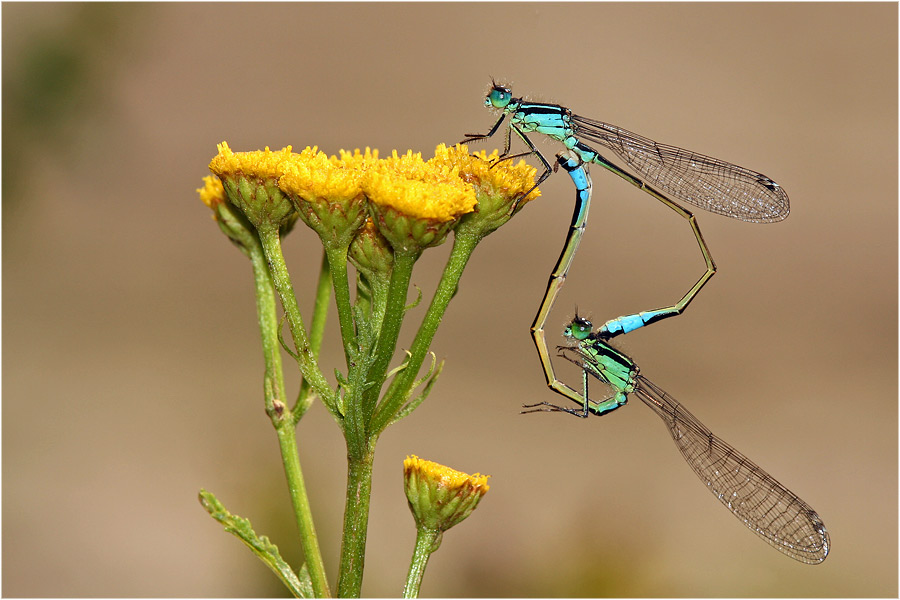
[336, 222]
[261, 201]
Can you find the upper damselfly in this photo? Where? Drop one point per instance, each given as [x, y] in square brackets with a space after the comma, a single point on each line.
[708, 183]
[703, 181]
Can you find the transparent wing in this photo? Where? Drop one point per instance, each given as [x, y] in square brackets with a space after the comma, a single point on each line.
[768, 508]
[708, 183]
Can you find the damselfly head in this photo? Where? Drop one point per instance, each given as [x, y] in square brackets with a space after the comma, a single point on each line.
[579, 329]
[498, 97]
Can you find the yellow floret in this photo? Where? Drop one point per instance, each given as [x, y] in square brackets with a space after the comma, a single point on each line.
[435, 200]
[313, 175]
[447, 477]
[259, 163]
[212, 193]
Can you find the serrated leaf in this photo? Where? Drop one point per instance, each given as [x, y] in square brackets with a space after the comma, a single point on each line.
[261, 546]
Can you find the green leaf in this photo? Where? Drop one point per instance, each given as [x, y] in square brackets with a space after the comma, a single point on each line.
[415, 302]
[413, 404]
[301, 586]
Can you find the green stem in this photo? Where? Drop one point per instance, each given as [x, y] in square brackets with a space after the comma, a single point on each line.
[387, 338]
[309, 541]
[316, 334]
[268, 327]
[320, 309]
[380, 286]
[427, 541]
[271, 243]
[337, 261]
[356, 522]
[284, 423]
[399, 390]
[360, 444]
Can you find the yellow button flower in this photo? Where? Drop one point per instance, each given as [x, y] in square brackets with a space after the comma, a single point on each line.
[414, 203]
[327, 194]
[441, 497]
[212, 193]
[251, 184]
[498, 186]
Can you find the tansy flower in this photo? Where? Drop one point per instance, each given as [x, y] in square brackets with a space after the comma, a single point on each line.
[212, 193]
[327, 195]
[498, 186]
[230, 220]
[415, 204]
[440, 497]
[250, 180]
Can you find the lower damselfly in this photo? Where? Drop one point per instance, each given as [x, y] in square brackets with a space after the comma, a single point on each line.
[756, 498]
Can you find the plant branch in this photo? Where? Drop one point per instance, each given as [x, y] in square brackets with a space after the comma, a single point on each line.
[282, 419]
[400, 388]
[316, 335]
[271, 243]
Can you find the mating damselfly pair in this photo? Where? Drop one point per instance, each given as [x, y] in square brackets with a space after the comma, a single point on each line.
[764, 505]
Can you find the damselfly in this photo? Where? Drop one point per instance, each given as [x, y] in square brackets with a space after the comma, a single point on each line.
[705, 182]
[768, 508]
[708, 183]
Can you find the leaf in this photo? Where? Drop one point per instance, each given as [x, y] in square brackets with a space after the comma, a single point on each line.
[301, 586]
[413, 404]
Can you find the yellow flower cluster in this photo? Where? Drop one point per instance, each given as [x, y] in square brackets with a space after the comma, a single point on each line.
[479, 169]
[428, 190]
[413, 202]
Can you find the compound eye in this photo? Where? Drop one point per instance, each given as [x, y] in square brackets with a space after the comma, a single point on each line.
[580, 328]
[499, 96]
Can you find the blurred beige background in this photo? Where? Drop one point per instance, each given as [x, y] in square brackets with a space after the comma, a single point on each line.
[131, 359]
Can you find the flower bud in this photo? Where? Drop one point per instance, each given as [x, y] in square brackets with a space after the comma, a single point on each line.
[440, 497]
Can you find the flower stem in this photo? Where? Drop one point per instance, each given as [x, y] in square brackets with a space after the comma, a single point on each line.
[427, 541]
[356, 521]
[282, 420]
[320, 310]
[337, 262]
[398, 392]
[390, 330]
[309, 541]
[271, 243]
[268, 326]
[316, 335]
